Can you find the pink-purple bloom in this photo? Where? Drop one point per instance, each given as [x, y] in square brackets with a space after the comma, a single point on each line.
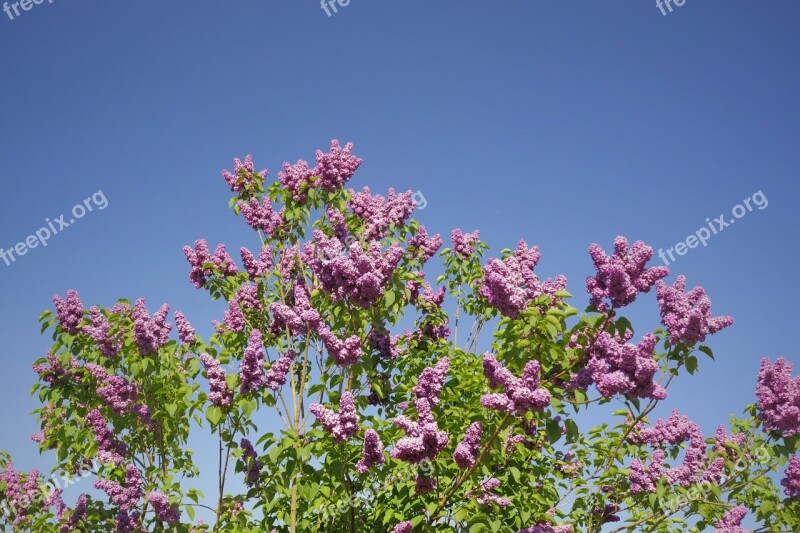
[276, 375]
[251, 372]
[424, 440]
[378, 214]
[342, 425]
[108, 448]
[244, 177]
[431, 380]
[260, 215]
[372, 453]
[732, 520]
[253, 465]
[150, 333]
[186, 332]
[69, 311]
[791, 481]
[124, 496]
[165, 511]
[464, 243]
[467, 450]
[257, 268]
[219, 394]
[687, 316]
[778, 396]
[521, 394]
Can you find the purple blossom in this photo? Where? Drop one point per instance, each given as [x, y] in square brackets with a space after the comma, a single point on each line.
[54, 371]
[687, 316]
[299, 318]
[276, 375]
[385, 344]
[223, 261]
[521, 394]
[778, 396]
[198, 257]
[219, 395]
[164, 511]
[344, 352]
[295, 177]
[467, 450]
[543, 527]
[342, 425]
[125, 496]
[186, 332]
[464, 243]
[251, 372]
[245, 300]
[108, 448]
[485, 496]
[731, 522]
[431, 380]
[244, 177]
[99, 333]
[792, 480]
[378, 214]
[336, 167]
[424, 440]
[372, 453]
[150, 333]
[423, 246]
[115, 391]
[19, 494]
[403, 527]
[623, 275]
[424, 485]
[69, 311]
[260, 215]
[257, 268]
[254, 466]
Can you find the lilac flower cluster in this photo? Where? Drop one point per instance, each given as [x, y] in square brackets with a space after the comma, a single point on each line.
[164, 511]
[54, 371]
[69, 311]
[431, 381]
[276, 375]
[244, 177]
[76, 517]
[778, 395]
[372, 453]
[99, 330]
[246, 298]
[385, 343]
[344, 352]
[109, 450]
[334, 169]
[254, 466]
[299, 318]
[257, 268]
[219, 395]
[342, 425]
[124, 496]
[115, 391]
[623, 275]
[485, 495]
[687, 316]
[424, 485]
[20, 494]
[521, 394]
[423, 246]
[186, 332]
[619, 367]
[467, 450]
[261, 216]
[791, 482]
[424, 440]
[464, 243]
[403, 527]
[150, 333]
[732, 520]
[544, 527]
[200, 256]
[378, 213]
[251, 372]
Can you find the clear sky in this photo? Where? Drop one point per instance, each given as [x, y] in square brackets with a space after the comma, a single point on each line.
[565, 123]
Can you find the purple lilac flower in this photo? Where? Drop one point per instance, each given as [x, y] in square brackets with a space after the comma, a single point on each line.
[150, 333]
[244, 177]
[251, 372]
[260, 215]
[254, 466]
[76, 516]
[20, 494]
[385, 344]
[544, 527]
[342, 425]
[792, 480]
[115, 391]
[276, 375]
[623, 275]
[198, 257]
[124, 496]
[687, 316]
[467, 450]
[295, 177]
[424, 440]
[223, 261]
[109, 450]
[164, 511]
[344, 352]
[403, 527]
[69, 311]
[778, 396]
[54, 371]
[186, 332]
[336, 167]
[219, 395]
[99, 330]
[431, 380]
[257, 268]
[464, 243]
[424, 485]
[423, 246]
[372, 453]
[485, 495]
[299, 318]
[378, 213]
[731, 522]
[245, 299]
[521, 394]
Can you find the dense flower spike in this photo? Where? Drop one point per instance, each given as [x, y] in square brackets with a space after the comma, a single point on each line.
[244, 177]
[198, 257]
[164, 511]
[115, 391]
[623, 275]
[403, 527]
[299, 318]
[150, 333]
[521, 394]
[344, 352]
[485, 496]
[99, 331]
[778, 396]
[219, 395]
[424, 440]
[54, 372]
[546, 528]
[372, 453]
[731, 522]
[69, 311]
[257, 268]
[276, 375]
[223, 261]
[296, 179]
[336, 167]
[186, 332]
[260, 216]
[464, 243]
[467, 450]
[109, 450]
[19, 493]
[125, 496]
[342, 425]
[687, 316]
[424, 247]
[430, 382]
[378, 214]
[791, 481]
[424, 485]
[245, 300]
[251, 372]
[254, 466]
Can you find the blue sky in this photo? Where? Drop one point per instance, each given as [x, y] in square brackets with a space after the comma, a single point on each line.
[564, 123]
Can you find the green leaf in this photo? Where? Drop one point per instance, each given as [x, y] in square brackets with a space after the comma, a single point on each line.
[214, 415]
